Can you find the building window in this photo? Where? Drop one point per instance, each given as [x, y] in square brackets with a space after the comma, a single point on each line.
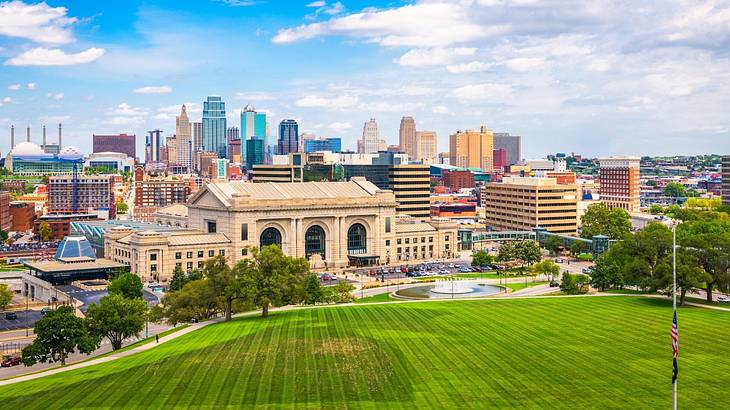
[244, 252]
[408, 241]
[222, 252]
[446, 238]
[387, 224]
[178, 265]
[201, 254]
[270, 236]
[387, 242]
[356, 239]
[211, 253]
[190, 255]
[398, 241]
[153, 267]
[178, 255]
[314, 242]
[211, 227]
[190, 266]
[423, 239]
[200, 264]
[244, 232]
[153, 256]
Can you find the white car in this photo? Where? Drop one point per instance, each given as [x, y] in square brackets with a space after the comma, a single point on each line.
[723, 299]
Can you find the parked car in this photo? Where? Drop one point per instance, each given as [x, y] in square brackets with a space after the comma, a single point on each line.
[326, 276]
[559, 260]
[45, 311]
[587, 270]
[11, 315]
[10, 361]
[723, 299]
[554, 284]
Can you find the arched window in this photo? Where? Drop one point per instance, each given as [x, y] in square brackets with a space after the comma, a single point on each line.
[270, 236]
[357, 239]
[314, 241]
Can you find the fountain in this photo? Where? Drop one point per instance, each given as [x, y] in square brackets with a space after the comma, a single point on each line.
[451, 286]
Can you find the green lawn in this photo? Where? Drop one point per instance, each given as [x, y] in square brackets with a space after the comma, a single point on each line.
[515, 286]
[595, 352]
[383, 297]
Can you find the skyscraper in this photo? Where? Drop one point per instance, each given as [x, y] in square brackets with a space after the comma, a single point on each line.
[472, 149]
[171, 146]
[620, 182]
[253, 124]
[407, 137]
[197, 136]
[152, 146]
[214, 126]
[426, 147]
[288, 137]
[233, 133]
[254, 152]
[511, 144]
[370, 137]
[184, 138]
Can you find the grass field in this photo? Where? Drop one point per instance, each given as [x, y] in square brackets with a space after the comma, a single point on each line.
[383, 297]
[596, 352]
[515, 286]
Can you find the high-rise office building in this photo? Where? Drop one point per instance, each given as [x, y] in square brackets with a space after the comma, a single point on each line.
[726, 180]
[511, 144]
[115, 143]
[255, 152]
[324, 144]
[288, 137]
[92, 193]
[303, 138]
[620, 184]
[197, 136]
[472, 149]
[426, 147]
[233, 133]
[183, 134]
[253, 124]
[370, 142]
[152, 146]
[407, 138]
[214, 126]
[171, 149]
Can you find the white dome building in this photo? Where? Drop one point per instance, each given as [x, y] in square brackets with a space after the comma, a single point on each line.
[26, 148]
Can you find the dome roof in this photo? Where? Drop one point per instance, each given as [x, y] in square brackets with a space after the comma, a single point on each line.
[70, 151]
[75, 247]
[27, 148]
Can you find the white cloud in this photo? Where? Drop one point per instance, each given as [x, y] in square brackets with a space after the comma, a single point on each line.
[7, 100]
[317, 4]
[40, 22]
[14, 87]
[126, 115]
[484, 91]
[125, 109]
[238, 3]
[340, 126]
[161, 89]
[470, 67]
[418, 25]
[254, 96]
[440, 109]
[333, 103]
[54, 57]
[55, 96]
[169, 112]
[31, 86]
[434, 56]
[524, 64]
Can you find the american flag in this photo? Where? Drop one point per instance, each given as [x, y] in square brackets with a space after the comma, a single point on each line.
[675, 346]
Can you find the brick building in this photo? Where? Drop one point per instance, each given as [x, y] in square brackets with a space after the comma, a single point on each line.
[6, 221]
[93, 193]
[152, 193]
[458, 179]
[22, 215]
[115, 143]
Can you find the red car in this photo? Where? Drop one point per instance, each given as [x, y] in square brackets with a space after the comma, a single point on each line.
[10, 361]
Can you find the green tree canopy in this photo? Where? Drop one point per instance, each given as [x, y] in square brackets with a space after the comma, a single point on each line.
[343, 292]
[58, 334]
[224, 282]
[6, 296]
[481, 258]
[599, 220]
[196, 300]
[122, 208]
[675, 190]
[548, 268]
[117, 318]
[127, 285]
[313, 292]
[553, 244]
[44, 231]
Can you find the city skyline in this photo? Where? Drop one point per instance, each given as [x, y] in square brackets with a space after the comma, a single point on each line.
[565, 78]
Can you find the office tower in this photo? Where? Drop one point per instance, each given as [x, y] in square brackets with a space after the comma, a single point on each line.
[511, 144]
[123, 143]
[92, 193]
[524, 203]
[726, 180]
[407, 137]
[253, 124]
[472, 149]
[426, 147]
[171, 148]
[152, 146]
[500, 158]
[234, 151]
[233, 133]
[304, 137]
[183, 134]
[288, 137]
[254, 152]
[620, 185]
[214, 126]
[197, 136]
[324, 144]
[370, 142]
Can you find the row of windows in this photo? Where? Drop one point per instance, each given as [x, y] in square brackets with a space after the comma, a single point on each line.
[200, 254]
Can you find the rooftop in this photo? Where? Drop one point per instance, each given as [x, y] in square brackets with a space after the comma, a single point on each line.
[356, 188]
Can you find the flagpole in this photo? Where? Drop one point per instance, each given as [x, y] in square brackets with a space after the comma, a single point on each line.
[674, 300]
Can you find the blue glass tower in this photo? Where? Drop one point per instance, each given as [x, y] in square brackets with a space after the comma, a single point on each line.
[254, 152]
[327, 144]
[214, 126]
[253, 125]
[288, 137]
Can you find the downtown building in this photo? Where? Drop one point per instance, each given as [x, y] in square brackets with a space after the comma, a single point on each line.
[512, 146]
[726, 180]
[123, 143]
[253, 126]
[472, 149]
[82, 194]
[323, 144]
[407, 137]
[524, 203]
[214, 126]
[154, 192]
[620, 183]
[184, 140]
[288, 137]
[153, 147]
[370, 142]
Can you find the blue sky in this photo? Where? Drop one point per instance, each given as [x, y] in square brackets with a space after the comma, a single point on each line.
[598, 78]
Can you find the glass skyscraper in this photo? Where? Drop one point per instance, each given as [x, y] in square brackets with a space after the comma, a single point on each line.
[253, 125]
[288, 137]
[214, 126]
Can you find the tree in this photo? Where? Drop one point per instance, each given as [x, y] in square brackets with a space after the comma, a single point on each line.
[506, 252]
[117, 318]
[578, 247]
[675, 190]
[708, 240]
[178, 279]
[481, 258]
[44, 231]
[553, 244]
[122, 208]
[343, 292]
[656, 209]
[528, 252]
[599, 220]
[127, 285]
[567, 284]
[196, 300]
[6, 296]
[606, 273]
[648, 249]
[3, 235]
[224, 281]
[690, 275]
[58, 334]
[313, 293]
[271, 278]
[546, 267]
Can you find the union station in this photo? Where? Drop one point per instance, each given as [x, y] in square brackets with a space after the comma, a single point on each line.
[332, 224]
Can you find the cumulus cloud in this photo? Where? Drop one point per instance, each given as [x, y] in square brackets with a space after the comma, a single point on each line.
[40, 22]
[160, 89]
[470, 67]
[14, 87]
[434, 56]
[483, 91]
[330, 103]
[7, 100]
[340, 126]
[254, 96]
[54, 57]
[31, 86]
[127, 110]
[55, 96]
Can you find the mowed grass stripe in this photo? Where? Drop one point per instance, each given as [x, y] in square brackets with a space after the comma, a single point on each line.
[603, 352]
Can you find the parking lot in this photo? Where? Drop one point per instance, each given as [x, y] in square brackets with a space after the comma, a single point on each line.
[24, 319]
[89, 297]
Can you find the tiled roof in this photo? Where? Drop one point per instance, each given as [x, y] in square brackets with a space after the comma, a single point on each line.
[294, 190]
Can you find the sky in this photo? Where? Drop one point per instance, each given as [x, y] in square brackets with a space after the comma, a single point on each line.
[593, 77]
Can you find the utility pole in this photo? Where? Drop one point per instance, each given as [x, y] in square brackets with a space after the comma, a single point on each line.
[674, 300]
